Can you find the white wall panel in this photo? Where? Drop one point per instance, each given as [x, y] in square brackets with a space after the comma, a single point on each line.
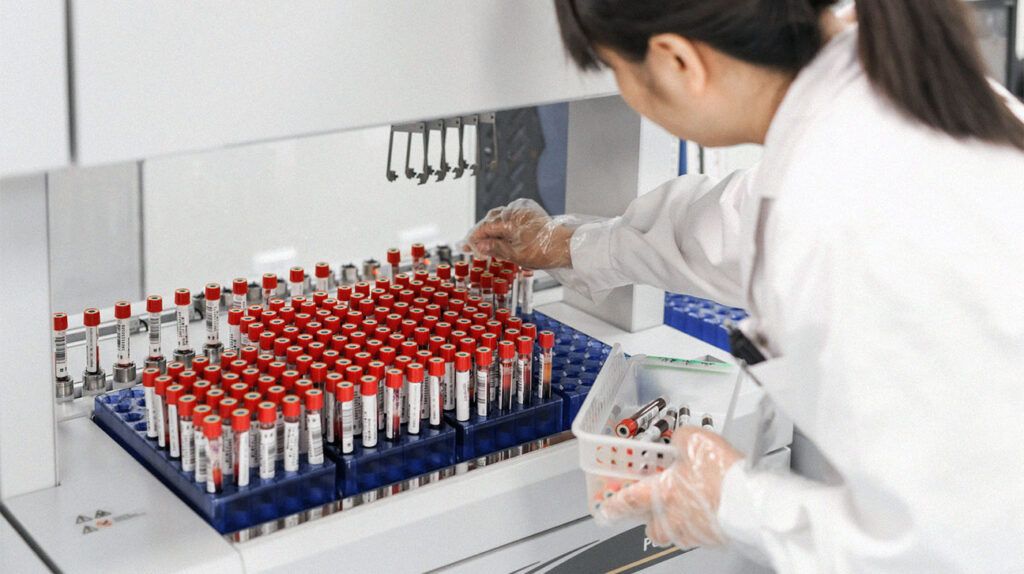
[33, 86]
[156, 78]
[247, 210]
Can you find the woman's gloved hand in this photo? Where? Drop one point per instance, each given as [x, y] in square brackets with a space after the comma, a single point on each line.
[680, 504]
[523, 233]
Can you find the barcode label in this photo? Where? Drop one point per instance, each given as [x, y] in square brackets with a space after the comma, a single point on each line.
[60, 355]
[188, 461]
[291, 446]
[482, 392]
[154, 334]
[268, 450]
[347, 428]
[172, 420]
[315, 437]
[200, 457]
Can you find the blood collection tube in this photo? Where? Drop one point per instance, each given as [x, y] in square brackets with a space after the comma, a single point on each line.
[501, 294]
[290, 407]
[314, 426]
[329, 399]
[682, 416]
[526, 292]
[376, 369]
[506, 373]
[186, 408]
[435, 382]
[401, 362]
[160, 385]
[241, 423]
[174, 392]
[638, 421]
[419, 257]
[64, 387]
[234, 328]
[296, 280]
[251, 401]
[394, 259]
[199, 414]
[268, 439]
[368, 390]
[490, 340]
[547, 344]
[322, 271]
[659, 427]
[239, 293]
[414, 374]
[423, 359]
[154, 310]
[524, 370]
[707, 423]
[149, 376]
[463, 367]
[183, 353]
[213, 432]
[393, 404]
[213, 347]
[124, 368]
[269, 286]
[448, 381]
[94, 380]
[276, 394]
[227, 407]
[353, 374]
[345, 395]
[484, 358]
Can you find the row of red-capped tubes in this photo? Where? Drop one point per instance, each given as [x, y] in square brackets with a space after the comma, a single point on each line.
[299, 356]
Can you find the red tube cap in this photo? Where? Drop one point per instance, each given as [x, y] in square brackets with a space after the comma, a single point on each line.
[240, 286]
[436, 367]
[506, 350]
[345, 391]
[212, 292]
[268, 412]
[547, 339]
[296, 274]
[314, 400]
[91, 317]
[484, 357]
[182, 296]
[154, 304]
[240, 420]
[291, 406]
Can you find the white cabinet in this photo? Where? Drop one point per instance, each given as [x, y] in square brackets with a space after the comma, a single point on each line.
[34, 128]
[155, 78]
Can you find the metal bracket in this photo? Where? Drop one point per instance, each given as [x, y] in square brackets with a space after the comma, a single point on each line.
[441, 126]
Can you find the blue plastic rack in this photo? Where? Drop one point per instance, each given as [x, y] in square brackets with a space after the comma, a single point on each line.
[120, 414]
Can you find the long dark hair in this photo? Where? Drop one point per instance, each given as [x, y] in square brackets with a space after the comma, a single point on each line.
[921, 54]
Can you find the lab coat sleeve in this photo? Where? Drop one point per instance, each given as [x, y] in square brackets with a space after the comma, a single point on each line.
[684, 237]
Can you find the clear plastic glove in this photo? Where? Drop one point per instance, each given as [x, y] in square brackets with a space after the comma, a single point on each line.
[680, 504]
[523, 233]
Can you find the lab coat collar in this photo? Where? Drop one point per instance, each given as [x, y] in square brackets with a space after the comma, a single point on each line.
[810, 96]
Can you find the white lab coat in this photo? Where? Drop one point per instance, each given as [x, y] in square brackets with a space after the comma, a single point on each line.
[883, 264]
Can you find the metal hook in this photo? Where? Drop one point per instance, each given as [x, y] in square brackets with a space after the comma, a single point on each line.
[391, 174]
[461, 165]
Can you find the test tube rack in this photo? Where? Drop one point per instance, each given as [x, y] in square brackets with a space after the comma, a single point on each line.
[701, 318]
[120, 414]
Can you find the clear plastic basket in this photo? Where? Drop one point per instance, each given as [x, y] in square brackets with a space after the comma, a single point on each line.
[626, 384]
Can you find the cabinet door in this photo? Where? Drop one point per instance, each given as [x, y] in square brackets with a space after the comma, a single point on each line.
[33, 86]
[155, 78]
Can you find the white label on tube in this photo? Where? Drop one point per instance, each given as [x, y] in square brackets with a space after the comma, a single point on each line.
[228, 456]
[241, 455]
[172, 420]
[268, 452]
[279, 452]
[154, 335]
[435, 401]
[161, 425]
[462, 395]
[60, 354]
[200, 445]
[213, 454]
[314, 436]
[123, 342]
[213, 321]
[92, 349]
[329, 417]
[393, 409]
[448, 387]
[254, 446]
[181, 325]
[149, 394]
[291, 446]
[522, 378]
[482, 392]
[415, 405]
[357, 411]
[347, 428]
[370, 414]
[188, 457]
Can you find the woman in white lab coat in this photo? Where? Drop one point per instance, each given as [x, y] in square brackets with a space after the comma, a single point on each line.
[879, 247]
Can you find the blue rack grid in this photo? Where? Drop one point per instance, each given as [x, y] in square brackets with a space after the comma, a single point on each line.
[701, 318]
[120, 414]
[393, 461]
